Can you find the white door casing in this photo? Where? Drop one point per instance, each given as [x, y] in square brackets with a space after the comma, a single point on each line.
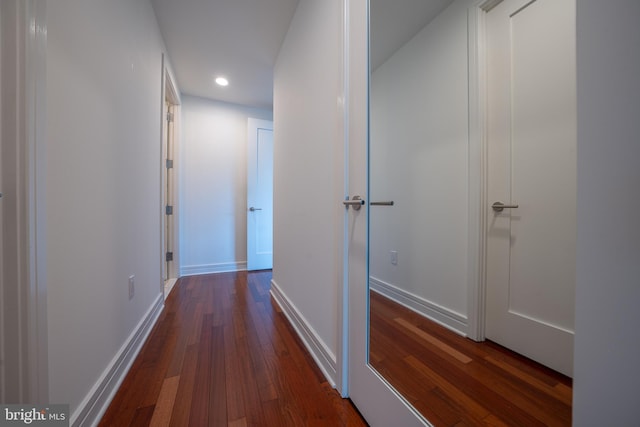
[531, 130]
[169, 168]
[260, 195]
[169, 185]
[23, 305]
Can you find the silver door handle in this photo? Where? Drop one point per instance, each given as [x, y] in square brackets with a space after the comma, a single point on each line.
[389, 203]
[252, 209]
[356, 203]
[499, 206]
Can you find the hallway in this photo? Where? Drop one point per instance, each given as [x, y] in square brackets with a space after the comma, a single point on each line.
[223, 354]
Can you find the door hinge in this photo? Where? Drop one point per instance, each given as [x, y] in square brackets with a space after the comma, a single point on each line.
[170, 117]
[169, 210]
[169, 256]
[169, 164]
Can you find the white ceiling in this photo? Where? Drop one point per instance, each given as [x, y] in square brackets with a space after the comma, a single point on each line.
[240, 39]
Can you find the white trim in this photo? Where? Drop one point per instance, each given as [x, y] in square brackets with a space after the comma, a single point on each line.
[226, 267]
[36, 105]
[477, 170]
[23, 134]
[478, 164]
[487, 5]
[98, 399]
[169, 93]
[448, 318]
[342, 357]
[320, 352]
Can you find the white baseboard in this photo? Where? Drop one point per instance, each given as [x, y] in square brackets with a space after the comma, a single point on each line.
[97, 401]
[322, 355]
[194, 270]
[439, 314]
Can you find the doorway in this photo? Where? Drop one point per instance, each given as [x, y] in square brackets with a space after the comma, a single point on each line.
[531, 179]
[170, 115]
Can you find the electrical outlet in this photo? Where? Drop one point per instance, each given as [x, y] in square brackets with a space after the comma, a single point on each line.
[394, 257]
[132, 289]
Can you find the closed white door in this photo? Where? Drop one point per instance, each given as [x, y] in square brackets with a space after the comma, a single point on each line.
[260, 195]
[531, 248]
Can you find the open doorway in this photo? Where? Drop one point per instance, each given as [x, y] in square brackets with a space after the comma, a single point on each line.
[170, 110]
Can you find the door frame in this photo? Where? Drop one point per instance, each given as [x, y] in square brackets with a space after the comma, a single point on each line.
[478, 168]
[24, 136]
[170, 95]
[478, 98]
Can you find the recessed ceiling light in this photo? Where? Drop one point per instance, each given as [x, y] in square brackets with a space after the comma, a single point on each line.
[221, 81]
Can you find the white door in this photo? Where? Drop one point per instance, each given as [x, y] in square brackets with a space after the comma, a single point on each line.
[531, 248]
[260, 195]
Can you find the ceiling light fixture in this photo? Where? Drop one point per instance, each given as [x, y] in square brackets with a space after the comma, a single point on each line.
[221, 81]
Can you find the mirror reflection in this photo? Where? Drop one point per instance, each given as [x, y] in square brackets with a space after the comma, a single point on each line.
[422, 239]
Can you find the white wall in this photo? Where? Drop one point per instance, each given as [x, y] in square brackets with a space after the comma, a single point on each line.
[309, 171]
[213, 185]
[607, 341]
[419, 159]
[607, 291]
[103, 185]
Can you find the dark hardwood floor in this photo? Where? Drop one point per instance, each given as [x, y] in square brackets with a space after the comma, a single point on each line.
[222, 354]
[454, 381]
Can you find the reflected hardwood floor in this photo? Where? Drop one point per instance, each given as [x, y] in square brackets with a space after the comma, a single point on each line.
[454, 381]
[223, 354]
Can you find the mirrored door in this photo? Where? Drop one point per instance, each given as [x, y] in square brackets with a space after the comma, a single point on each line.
[419, 197]
[428, 213]
[378, 401]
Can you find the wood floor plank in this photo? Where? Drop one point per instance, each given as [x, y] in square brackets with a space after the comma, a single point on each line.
[240, 422]
[182, 406]
[222, 353]
[164, 406]
[494, 386]
[217, 383]
[463, 358]
[199, 412]
[544, 387]
[142, 416]
[233, 372]
[470, 404]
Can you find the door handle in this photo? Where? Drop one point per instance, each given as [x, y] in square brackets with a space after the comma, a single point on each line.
[356, 203]
[499, 206]
[389, 203]
[252, 209]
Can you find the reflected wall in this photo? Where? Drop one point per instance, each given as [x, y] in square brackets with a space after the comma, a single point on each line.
[419, 156]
